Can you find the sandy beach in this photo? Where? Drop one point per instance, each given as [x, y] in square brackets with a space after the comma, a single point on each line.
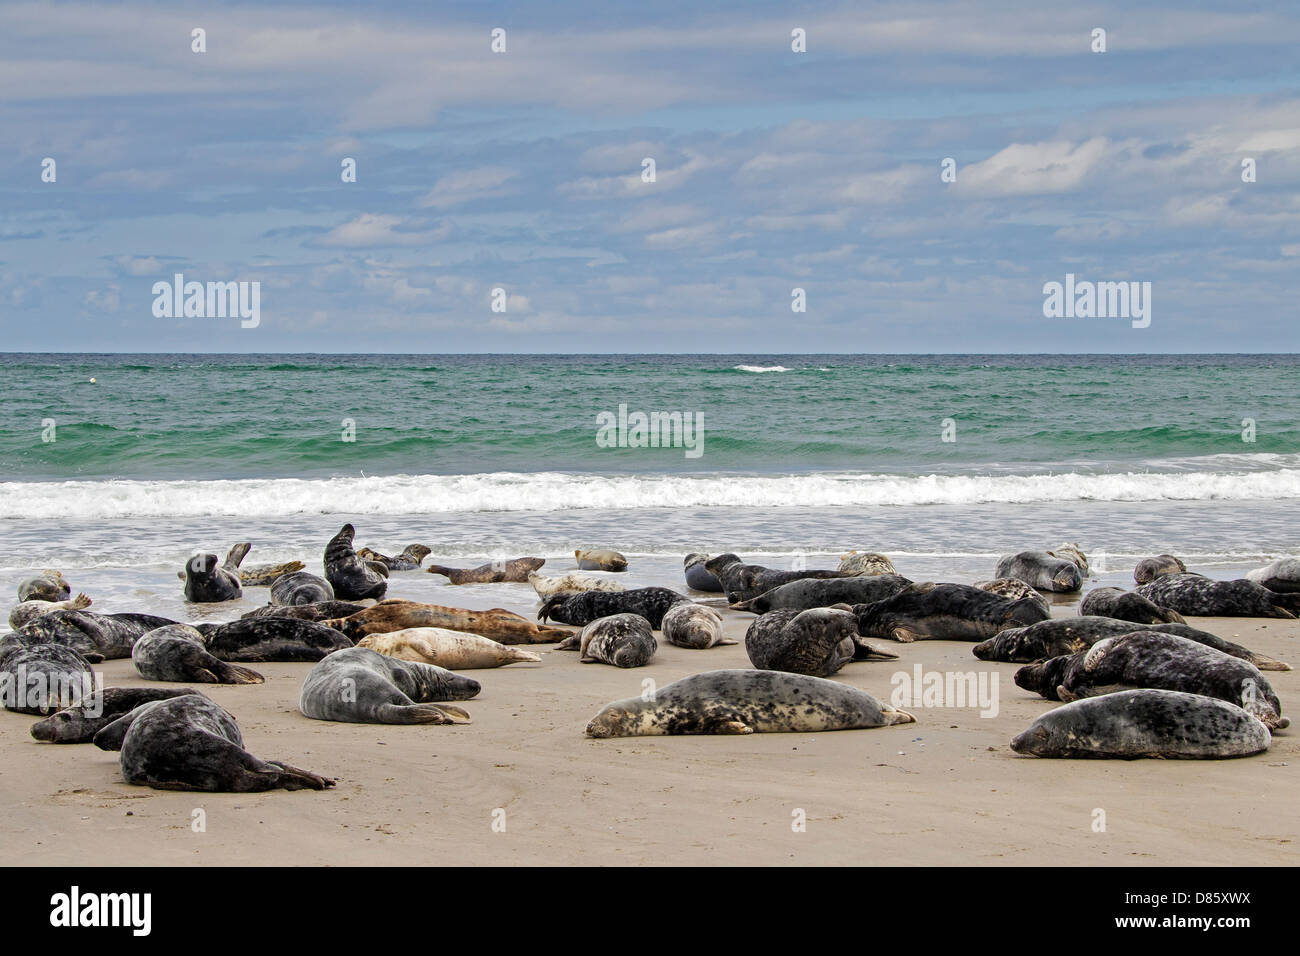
[945, 790]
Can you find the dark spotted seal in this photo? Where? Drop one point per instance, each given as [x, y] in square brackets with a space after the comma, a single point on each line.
[1041, 570]
[189, 743]
[514, 571]
[1153, 659]
[79, 723]
[624, 640]
[818, 641]
[1069, 635]
[300, 587]
[46, 586]
[1204, 597]
[1145, 723]
[1283, 576]
[110, 635]
[694, 626]
[321, 611]
[350, 577]
[600, 559]
[361, 686]
[586, 606]
[408, 560]
[41, 678]
[1148, 569]
[274, 639]
[952, 612]
[176, 653]
[741, 581]
[823, 592]
[745, 702]
[206, 583]
[698, 577]
[1125, 606]
[1015, 590]
[28, 611]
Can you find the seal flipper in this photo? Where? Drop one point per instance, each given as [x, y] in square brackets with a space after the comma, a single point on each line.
[233, 674]
[236, 555]
[724, 723]
[420, 714]
[292, 778]
[110, 737]
[1259, 660]
[862, 651]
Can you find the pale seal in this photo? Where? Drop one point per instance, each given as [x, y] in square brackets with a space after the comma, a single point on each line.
[1068, 635]
[586, 606]
[1148, 569]
[951, 612]
[497, 623]
[698, 577]
[1153, 659]
[1145, 723]
[1283, 576]
[745, 702]
[351, 578]
[46, 586]
[818, 641]
[273, 639]
[1041, 570]
[866, 562]
[1015, 590]
[600, 559]
[30, 610]
[454, 650]
[569, 583]
[823, 592]
[301, 587]
[408, 560]
[514, 571]
[1125, 606]
[694, 626]
[361, 686]
[176, 653]
[624, 640]
[208, 583]
[189, 743]
[1200, 596]
[79, 723]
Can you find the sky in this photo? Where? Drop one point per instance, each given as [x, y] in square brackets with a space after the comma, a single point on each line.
[522, 171]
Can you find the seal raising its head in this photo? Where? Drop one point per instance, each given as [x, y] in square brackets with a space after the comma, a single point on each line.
[818, 641]
[351, 578]
[206, 583]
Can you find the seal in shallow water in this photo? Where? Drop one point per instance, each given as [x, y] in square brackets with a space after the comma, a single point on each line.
[408, 560]
[1200, 596]
[600, 559]
[745, 702]
[514, 571]
[698, 577]
[1041, 570]
[1125, 606]
[206, 583]
[950, 612]
[190, 743]
[1145, 723]
[29, 611]
[586, 606]
[1283, 575]
[350, 576]
[497, 623]
[454, 650]
[79, 723]
[361, 686]
[624, 640]
[301, 587]
[694, 626]
[1148, 569]
[46, 586]
[176, 653]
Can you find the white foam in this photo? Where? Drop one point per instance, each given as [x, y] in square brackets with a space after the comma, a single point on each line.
[760, 368]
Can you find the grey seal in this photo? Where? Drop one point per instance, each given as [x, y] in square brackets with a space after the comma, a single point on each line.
[1283, 576]
[351, 578]
[41, 678]
[111, 636]
[1200, 596]
[176, 653]
[274, 639]
[208, 583]
[818, 641]
[823, 592]
[624, 640]
[514, 571]
[320, 611]
[745, 702]
[79, 723]
[599, 559]
[46, 586]
[698, 577]
[1148, 569]
[301, 587]
[408, 560]
[694, 626]
[1071, 553]
[1015, 590]
[361, 686]
[741, 581]
[1041, 570]
[1126, 606]
[586, 606]
[29, 611]
[866, 562]
[953, 612]
[1145, 723]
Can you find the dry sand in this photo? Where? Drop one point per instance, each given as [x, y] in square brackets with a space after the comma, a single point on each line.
[945, 790]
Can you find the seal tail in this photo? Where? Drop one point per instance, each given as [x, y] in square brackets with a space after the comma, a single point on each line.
[1171, 617]
[291, 778]
[421, 714]
[234, 674]
[446, 572]
[1267, 663]
[548, 608]
[237, 554]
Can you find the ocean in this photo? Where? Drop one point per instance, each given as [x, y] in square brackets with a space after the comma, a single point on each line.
[944, 462]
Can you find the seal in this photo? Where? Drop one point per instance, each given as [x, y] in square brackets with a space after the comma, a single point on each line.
[189, 743]
[514, 571]
[1041, 570]
[569, 583]
[1283, 576]
[1069, 635]
[264, 575]
[206, 583]
[741, 581]
[1148, 569]
[321, 611]
[408, 560]
[745, 702]
[30, 610]
[1125, 606]
[818, 641]
[1071, 553]
[1015, 590]
[823, 592]
[46, 586]
[176, 653]
[393, 615]
[351, 578]
[41, 678]
[453, 650]
[600, 559]
[274, 639]
[866, 562]
[1153, 659]
[586, 606]
[694, 626]
[1200, 596]
[952, 612]
[109, 635]
[624, 640]
[79, 723]
[301, 588]
[1145, 723]
[698, 577]
[361, 686]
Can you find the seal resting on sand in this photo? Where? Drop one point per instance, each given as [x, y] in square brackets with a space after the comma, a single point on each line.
[586, 606]
[361, 686]
[1200, 596]
[454, 650]
[1126, 606]
[624, 640]
[176, 653]
[499, 624]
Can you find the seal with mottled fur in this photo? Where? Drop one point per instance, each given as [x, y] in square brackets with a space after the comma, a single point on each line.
[624, 640]
[1145, 723]
[176, 653]
[599, 559]
[350, 576]
[206, 582]
[262, 575]
[586, 606]
[499, 624]
[301, 587]
[818, 641]
[110, 635]
[79, 723]
[1041, 570]
[1283, 576]
[29, 611]
[1069, 635]
[454, 650]
[741, 581]
[361, 686]
[1071, 553]
[46, 586]
[190, 743]
[408, 560]
[1200, 596]
[866, 562]
[823, 592]
[698, 577]
[951, 612]
[549, 587]
[41, 678]
[1016, 590]
[514, 571]
[694, 626]
[1153, 659]
[1148, 569]
[320, 611]
[1126, 606]
[274, 639]
[745, 702]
